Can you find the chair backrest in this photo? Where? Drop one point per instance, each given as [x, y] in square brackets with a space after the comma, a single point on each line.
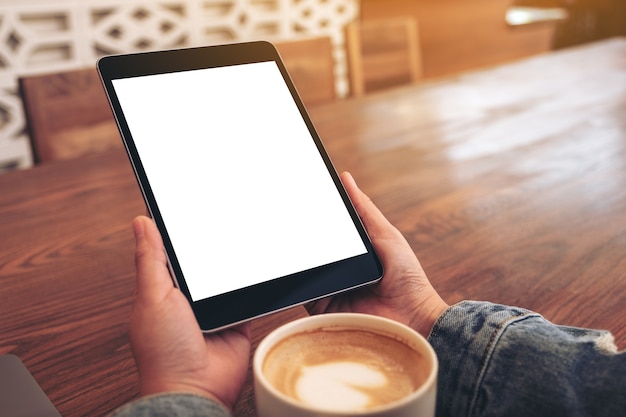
[382, 53]
[67, 115]
[311, 66]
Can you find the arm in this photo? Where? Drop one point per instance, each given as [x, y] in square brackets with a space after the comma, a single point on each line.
[494, 360]
[172, 405]
[503, 361]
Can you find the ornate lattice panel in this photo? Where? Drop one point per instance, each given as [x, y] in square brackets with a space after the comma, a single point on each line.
[39, 36]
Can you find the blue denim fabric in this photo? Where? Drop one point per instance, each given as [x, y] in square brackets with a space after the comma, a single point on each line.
[503, 361]
[171, 405]
[494, 360]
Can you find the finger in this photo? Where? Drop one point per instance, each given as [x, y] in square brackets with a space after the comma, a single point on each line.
[317, 306]
[373, 219]
[244, 329]
[153, 279]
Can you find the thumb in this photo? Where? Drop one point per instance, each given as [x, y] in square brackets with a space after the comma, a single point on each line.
[153, 278]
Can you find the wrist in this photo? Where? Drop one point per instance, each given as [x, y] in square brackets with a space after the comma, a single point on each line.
[427, 313]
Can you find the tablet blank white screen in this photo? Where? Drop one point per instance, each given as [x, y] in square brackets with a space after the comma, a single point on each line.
[242, 189]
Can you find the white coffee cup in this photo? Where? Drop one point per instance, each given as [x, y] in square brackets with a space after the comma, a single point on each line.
[327, 366]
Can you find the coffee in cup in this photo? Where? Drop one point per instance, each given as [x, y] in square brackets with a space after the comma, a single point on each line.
[344, 364]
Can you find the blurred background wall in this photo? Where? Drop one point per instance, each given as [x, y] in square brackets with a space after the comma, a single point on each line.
[39, 36]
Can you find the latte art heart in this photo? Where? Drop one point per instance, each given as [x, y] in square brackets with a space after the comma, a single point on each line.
[344, 370]
[340, 386]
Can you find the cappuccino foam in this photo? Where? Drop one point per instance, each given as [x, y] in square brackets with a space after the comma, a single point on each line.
[344, 369]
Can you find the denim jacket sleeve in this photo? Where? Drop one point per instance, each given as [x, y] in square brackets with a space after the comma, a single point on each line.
[496, 360]
[171, 405]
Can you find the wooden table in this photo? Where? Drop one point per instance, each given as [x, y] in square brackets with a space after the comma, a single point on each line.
[509, 183]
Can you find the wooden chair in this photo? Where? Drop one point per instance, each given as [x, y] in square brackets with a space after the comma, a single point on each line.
[382, 53]
[67, 115]
[311, 66]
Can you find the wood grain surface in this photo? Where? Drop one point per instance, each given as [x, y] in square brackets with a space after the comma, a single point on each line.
[509, 183]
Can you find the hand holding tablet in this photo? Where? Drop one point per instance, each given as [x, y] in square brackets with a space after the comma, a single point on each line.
[253, 216]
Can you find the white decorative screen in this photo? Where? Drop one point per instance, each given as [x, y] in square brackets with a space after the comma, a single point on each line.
[38, 36]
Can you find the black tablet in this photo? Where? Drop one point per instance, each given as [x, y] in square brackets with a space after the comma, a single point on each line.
[253, 215]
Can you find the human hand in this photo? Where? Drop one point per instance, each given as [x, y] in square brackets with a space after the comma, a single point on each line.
[404, 294]
[171, 352]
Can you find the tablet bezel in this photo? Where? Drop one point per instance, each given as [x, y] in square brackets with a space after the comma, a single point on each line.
[237, 306]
